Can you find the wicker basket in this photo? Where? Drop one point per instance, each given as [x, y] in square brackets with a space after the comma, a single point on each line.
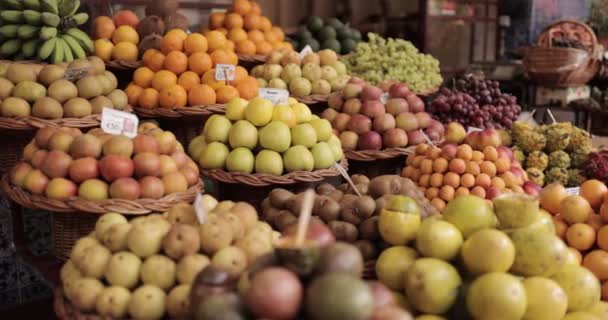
[373, 155]
[314, 99]
[564, 67]
[66, 229]
[250, 61]
[13, 142]
[64, 309]
[124, 65]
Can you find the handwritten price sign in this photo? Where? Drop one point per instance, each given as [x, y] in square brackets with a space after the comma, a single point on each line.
[276, 96]
[119, 122]
[224, 72]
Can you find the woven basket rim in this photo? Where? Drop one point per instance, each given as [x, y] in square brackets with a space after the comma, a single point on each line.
[314, 98]
[75, 204]
[373, 155]
[124, 65]
[264, 179]
[252, 58]
[201, 110]
[33, 123]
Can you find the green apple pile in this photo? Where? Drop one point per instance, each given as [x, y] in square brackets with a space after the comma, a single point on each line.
[481, 260]
[145, 268]
[258, 137]
[316, 73]
[58, 91]
[63, 163]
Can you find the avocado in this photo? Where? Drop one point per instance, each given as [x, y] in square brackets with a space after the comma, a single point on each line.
[348, 46]
[327, 33]
[313, 43]
[334, 23]
[356, 35]
[332, 44]
[343, 33]
[315, 24]
[304, 34]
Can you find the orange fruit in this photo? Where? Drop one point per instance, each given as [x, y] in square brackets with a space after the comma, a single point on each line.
[195, 42]
[163, 79]
[597, 262]
[240, 75]
[171, 42]
[148, 98]
[103, 49]
[176, 62]
[575, 209]
[229, 46]
[602, 238]
[595, 221]
[209, 79]
[223, 31]
[126, 18]
[153, 59]
[125, 34]
[188, 80]
[604, 212]
[216, 40]
[278, 33]
[438, 204]
[200, 62]
[241, 7]
[551, 196]
[263, 48]
[252, 21]
[255, 8]
[560, 227]
[224, 57]
[133, 91]
[248, 89]
[174, 96]
[201, 94]
[125, 51]
[237, 35]
[233, 21]
[226, 93]
[580, 236]
[270, 37]
[143, 77]
[594, 191]
[605, 291]
[265, 24]
[178, 33]
[216, 20]
[103, 27]
[255, 35]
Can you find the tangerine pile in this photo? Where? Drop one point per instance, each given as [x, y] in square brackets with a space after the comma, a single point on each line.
[245, 29]
[116, 37]
[582, 221]
[182, 73]
[450, 171]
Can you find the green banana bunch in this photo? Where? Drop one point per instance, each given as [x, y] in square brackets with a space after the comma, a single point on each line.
[49, 6]
[9, 30]
[47, 33]
[27, 32]
[28, 49]
[32, 17]
[11, 16]
[10, 47]
[58, 54]
[11, 4]
[47, 48]
[74, 46]
[82, 38]
[32, 4]
[50, 19]
[68, 7]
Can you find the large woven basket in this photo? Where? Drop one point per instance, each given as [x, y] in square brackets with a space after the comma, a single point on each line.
[13, 142]
[551, 66]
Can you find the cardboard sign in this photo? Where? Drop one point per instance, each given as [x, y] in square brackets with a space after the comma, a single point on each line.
[306, 51]
[276, 96]
[224, 72]
[75, 74]
[199, 209]
[119, 122]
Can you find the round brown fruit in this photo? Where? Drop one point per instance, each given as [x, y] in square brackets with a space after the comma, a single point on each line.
[125, 188]
[275, 293]
[151, 187]
[83, 169]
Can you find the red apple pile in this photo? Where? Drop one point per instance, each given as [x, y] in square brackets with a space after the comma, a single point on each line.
[62, 163]
[478, 165]
[367, 117]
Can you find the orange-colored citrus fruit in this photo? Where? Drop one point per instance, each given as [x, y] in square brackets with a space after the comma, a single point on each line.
[252, 21]
[237, 35]
[233, 21]
[176, 62]
[201, 94]
[249, 88]
[594, 191]
[255, 8]
[148, 98]
[580, 236]
[199, 63]
[153, 59]
[177, 32]
[209, 79]
[560, 227]
[133, 91]
[171, 43]
[163, 79]
[143, 77]
[551, 196]
[226, 93]
[216, 20]
[602, 237]
[597, 262]
[265, 24]
[240, 75]
[195, 42]
[575, 209]
[125, 51]
[263, 47]
[241, 7]
[188, 80]
[256, 36]
[605, 291]
[173, 97]
[103, 27]
[278, 33]
[216, 40]
[595, 221]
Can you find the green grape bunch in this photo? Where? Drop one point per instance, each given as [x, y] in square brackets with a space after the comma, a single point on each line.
[394, 59]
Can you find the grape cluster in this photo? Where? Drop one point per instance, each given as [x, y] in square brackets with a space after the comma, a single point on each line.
[477, 103]
[394, 59]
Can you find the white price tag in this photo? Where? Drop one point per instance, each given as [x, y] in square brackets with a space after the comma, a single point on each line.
[199, 209]
[119, 122]
[384, 97]
[276, 96]
[573, 191]
[473, 129]
[306, 51]
[224, 72]
[219, 10]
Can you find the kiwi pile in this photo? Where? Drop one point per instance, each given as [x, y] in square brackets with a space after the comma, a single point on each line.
[161, 17]
[351, 218]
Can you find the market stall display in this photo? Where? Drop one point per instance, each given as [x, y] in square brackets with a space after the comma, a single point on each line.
[309, 78]
[329, 33]
[382, 59]
[44, 31]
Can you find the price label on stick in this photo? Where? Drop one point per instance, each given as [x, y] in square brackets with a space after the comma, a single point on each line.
[473, 129]
[119, 122]
[276, 96]
[224, 72]
[306, 51]
[573, 191]
[199, 209]
[345, 175]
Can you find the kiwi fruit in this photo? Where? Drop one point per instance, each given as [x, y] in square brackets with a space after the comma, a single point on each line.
[368, 229]
[344, 187]
[266, 205]
[344, 231]
[363, 188]
[272, 214]
[162, 8]
[177, 21]
[326, 208]
[279, 197]
[151, 25]
[359, 179]
[387, 184]
[284, 220]
[151, 41]
[294, 204]
[325, 188]
[336, 195]
[365, 207]
[367, 248]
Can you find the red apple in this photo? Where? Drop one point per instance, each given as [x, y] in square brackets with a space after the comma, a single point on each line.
[424, 119]
[370, 141]
[448, 151]
[370, 92]
[415, 137]
[399, 90]
[352, 106]
[341, 121]
[125, 188]
[359, 124]
[415, 103]
[336, 101]
[373, 108]
[532, 188]
[113, 167]
[505, 152]
[384, 122]
[349, 140]
[395, 138]
[329, 114]
[396, 106]
[145, 143]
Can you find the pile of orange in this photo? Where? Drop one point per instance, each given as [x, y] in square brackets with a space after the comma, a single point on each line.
[182, 73]
[582, 221]
[244, 28]
[116, 38]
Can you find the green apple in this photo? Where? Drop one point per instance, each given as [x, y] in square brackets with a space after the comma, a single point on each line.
[259, 112]
[240, 160]
[106, 221]
[147, 302]
[304, 135]
[196, 146]
[113, 302]
[298, 158]
[94, 261]
[243, 134]
[214, 156]
[323, 156]
[235, 109]
[322, 128]
[268, 161]
[336, 147]
[302, 111]
[123, 270]
[158, 270]
[216, 129]
[275, 136]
